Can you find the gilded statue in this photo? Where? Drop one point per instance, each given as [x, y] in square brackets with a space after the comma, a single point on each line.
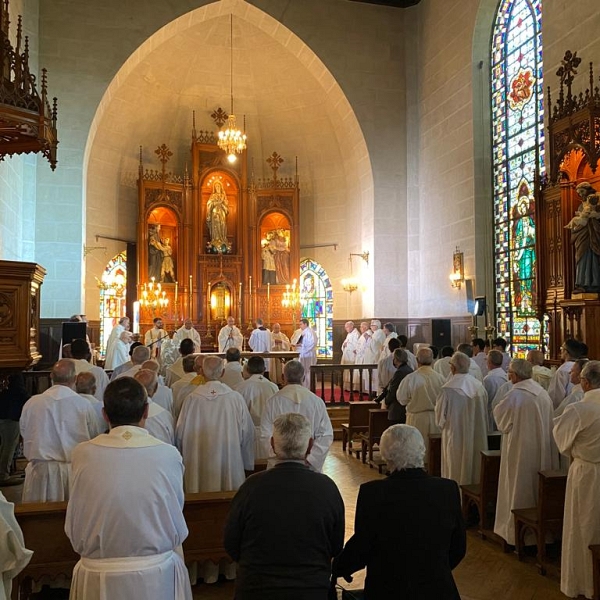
[217, 210]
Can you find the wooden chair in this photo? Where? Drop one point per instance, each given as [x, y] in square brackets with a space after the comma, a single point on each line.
[546, 517]
[434, 454]
[358, 422]
[595, 549]
[483, 494]
[378, 423]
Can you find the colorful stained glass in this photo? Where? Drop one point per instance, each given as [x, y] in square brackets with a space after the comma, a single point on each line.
[112, 297]
[316, 298]
[518, 156]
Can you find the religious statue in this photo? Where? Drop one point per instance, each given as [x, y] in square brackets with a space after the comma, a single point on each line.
[585, 235]
[269, 272]
[282, 257]
[217, 210]
[167, 271]
[155, 252]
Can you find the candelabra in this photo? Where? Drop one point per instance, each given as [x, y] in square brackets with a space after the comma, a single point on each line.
[291, 299]
[153, 296]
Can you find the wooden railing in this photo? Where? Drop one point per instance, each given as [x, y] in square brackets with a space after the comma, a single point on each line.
[327, 382]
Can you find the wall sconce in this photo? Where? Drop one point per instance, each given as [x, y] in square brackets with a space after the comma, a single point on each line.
[457, 277]
[351, 284]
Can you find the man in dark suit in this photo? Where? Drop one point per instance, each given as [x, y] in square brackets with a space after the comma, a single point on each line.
[396, 411]
[409, 530]
[286, 524]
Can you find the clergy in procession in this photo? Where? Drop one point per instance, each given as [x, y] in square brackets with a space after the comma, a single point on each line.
[279, 343]
[560, 384]
[85, 386]
[419, 391]
[577, 433]
[541, 374]
[524, 416]
[125, 515]
[232, 371]
[111, 359]
[154, 337]
[52, 424]
[295, 398]
[256, 390]
[188, 332]
[479, 355]
[349, 347]
[159, 422]
[192, 378]
[80, 351]
[495, 378]
[306, 345]
[460, 413]
[215, 434]
[230, 336]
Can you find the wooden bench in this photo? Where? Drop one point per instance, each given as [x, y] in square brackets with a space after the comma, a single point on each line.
[358, 422]
[546, 517]
[434, 454]
[483, 494]
[378, 423]
[43, 526]
[595, 549]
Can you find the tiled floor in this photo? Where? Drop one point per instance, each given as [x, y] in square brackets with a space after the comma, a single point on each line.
[485, 573]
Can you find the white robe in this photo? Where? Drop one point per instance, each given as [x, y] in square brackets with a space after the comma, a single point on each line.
[543, 375]
[100, 425]
[164, 397]
[412, 359]
[385, 351]
[524, 417]
[560, 385]
[308, 352]
[577, 433]
[279, 343]
[442, 366]
[385, 372]
[187, 334]
[215, 435]
[349, 349]
[182, 389]
[460, 413]
[256, 391]
[52, 424]
[14, 557]
[232, 374]
[294, 398]
[230, 337]
[131, 372]
[127, 505]
[154, 340]
[174, 372]
[160, 423]
[260, 341]
[575, 396]
[121, 369]
[492, 383]
[475, 371]
[109, 360]
[83, 366]
[481, 361]
[419, 391]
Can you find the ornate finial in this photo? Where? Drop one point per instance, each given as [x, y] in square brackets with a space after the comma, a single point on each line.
[44, 84]
[54, 110]
[219, 116]
[19, 33]
[567, 72]
[141, 165]
[164, 154]
[275, 162]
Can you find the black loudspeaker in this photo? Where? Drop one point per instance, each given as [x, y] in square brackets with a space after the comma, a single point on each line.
[479, 306]
[73, 331]
[441, 332]
[470, 300]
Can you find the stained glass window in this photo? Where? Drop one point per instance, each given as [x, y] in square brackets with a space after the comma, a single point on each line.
[316, 299]
[112, 297]
[518, 156]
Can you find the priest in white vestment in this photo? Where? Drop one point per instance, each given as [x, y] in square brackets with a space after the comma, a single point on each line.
[386, 368]
[111, 359]
[479, 355]
[121, 349]
[232, 368]
[474, 369]
[14, 557]
[175, 371]
[85, 386]
[215, 434]
[159, 422]
[125, 514]
[279, 343]
[461, 414]
[230, 336]
[361, 350]
[577, 433]
[560, 385]
[80, 351]
[442, 365]
[541, 374]
[188, 332]
[256, 391]
[163, 396]
[155, 337]
[390, 333]
[576, 391]
[419, 391]
[500, 344]
[139, 356]
[295, 398]
[306, 345]
[260, 341]
[349, 348]
[524, 417]
[412, 359]
[495, 378]
[52, 424]
[192, 378]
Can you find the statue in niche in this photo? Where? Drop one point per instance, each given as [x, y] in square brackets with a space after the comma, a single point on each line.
[155, 252]
[585, 235]
[281, 249]
[217, 210]
[269, 271]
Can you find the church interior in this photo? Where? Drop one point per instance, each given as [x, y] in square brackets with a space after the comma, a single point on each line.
[412, 161]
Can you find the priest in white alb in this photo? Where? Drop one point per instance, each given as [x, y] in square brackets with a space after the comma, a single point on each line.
[260, 341]
[306, 345]
[159, 422]
[560, 385]
[524, 417]
[175, 371]
[80, 351]
[192, 378]
[125, 514]
[230, 336]
[495, 378]
[349, 346]
[187, 332]
[111, 359]
[460, 412]
[279, 343]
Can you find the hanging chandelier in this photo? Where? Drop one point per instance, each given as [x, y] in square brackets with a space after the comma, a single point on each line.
[231, 139]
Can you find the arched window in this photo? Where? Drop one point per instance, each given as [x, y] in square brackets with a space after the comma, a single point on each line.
[112, 297]
[316, 298]
[518, 158]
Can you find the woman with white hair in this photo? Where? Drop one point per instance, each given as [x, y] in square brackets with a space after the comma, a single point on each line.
[409, 531]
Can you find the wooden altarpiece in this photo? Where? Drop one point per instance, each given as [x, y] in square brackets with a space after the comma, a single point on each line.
[218, 229]
[573, 151]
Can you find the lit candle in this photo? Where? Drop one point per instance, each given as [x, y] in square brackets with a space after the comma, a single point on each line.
[250, 284]
[268, 292]
[240, 297]
[176, 292]
[190, 284]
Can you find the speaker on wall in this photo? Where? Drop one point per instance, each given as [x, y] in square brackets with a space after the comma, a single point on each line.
[441, 332]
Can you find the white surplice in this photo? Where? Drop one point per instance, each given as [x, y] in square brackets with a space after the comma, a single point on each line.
[160, 423]
[52, 424]
[475, 371]
[14, 557]
[560, 385]
[182, 389]
[411, 359]
[349, 349]
[256, 391]
[125, 518]
[307, 347]
[575, 396]
[232, 374]
[419, 391]
[481, 360]
[164, 397]
[260, 341]
[187, 334]
[174, 373]
[543, 375]
[83, 366]
[294, 398]
[101, 425]
[230, 337]
[492, 382]
[524, 417]
[577, 433]
[460, 413]
[385, 350]
[110, 361]
[215, 435]
[442, 366]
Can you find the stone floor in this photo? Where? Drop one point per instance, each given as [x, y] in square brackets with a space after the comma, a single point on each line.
[486, 573]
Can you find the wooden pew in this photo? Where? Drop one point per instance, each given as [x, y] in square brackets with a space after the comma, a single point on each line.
[547, 516]
[358, 422]
[378, 423]
[434, 454]
[43, 526]
[484, 493]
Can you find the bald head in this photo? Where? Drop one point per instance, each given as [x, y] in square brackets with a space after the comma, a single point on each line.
[85, 383]
[424, 356]
[212, 367]
[63, 373]
[198, 362]
[140, 355]
[148, 379]
[150, 365]
[536, 357]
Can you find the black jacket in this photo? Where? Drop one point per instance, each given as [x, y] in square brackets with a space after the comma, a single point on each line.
[396, 411]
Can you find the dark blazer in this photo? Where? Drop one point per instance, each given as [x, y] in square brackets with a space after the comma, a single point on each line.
[284, 527]
[396, 411]
[410, 534]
